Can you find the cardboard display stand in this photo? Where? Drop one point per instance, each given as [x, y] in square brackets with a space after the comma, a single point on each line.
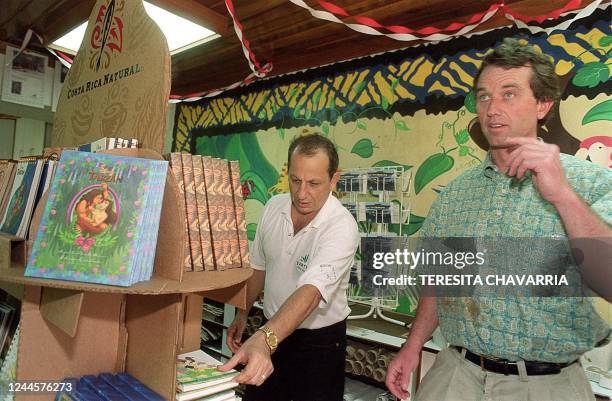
[118, 86]
[73, 329]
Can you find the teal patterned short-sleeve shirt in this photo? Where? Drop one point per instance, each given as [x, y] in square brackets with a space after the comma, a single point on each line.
[484, 202]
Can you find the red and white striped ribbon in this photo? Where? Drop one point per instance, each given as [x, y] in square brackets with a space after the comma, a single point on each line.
[404, 33]
[246, 47]
[520, 22]
[372, 27]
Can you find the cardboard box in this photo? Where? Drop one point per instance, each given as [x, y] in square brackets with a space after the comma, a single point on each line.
[72, 328]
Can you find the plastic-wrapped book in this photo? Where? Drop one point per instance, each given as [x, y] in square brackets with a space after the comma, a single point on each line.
[101, 220]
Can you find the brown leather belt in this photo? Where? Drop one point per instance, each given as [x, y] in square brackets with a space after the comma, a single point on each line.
[506, 367]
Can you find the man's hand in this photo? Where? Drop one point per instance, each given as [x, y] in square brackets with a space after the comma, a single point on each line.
[236, 329]
[542, 159]
[399, 372]
[255, 355]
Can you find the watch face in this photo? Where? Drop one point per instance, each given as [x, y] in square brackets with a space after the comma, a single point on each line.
[272, 341]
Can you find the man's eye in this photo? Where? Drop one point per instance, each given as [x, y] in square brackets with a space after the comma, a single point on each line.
[508, 95]
[483, 98]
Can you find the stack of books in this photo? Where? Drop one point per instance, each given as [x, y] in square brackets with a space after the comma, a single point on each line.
[214, 212]
[197, 378]
[22, 184]
[9, 319]
[106, 387]
[101, 220]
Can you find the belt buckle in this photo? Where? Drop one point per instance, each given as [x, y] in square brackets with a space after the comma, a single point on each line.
[506, 370]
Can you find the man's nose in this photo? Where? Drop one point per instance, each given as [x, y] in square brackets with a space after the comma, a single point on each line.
[493, 107]
[302, 190]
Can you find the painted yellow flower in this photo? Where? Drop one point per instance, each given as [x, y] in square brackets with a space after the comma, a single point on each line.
[282, 185]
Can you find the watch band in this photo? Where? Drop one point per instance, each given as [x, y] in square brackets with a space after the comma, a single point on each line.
[271, 338]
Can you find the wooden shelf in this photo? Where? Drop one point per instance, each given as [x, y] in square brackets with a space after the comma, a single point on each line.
[192, 282]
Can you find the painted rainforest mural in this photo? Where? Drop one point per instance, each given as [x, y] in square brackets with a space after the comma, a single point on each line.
[412, 107]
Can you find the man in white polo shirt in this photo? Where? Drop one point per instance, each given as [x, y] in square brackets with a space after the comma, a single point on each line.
[303, 252]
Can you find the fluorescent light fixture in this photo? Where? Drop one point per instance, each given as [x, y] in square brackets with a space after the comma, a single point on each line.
[180, 33]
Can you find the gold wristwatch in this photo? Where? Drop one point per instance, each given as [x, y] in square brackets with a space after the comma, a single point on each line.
[271, 338]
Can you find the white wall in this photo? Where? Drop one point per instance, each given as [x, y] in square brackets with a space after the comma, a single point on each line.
[7, 135]
[29, 137]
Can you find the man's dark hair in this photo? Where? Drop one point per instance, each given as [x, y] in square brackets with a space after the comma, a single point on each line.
[309, 144]
[511, 53]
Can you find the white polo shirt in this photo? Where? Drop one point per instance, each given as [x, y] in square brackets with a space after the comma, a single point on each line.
[320, 254]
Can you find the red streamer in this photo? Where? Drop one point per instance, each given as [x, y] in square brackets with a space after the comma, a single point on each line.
[452, 27]
[571, 5]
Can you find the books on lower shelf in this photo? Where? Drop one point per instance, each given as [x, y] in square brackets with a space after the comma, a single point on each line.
[106, 387]
[101, 220]
[214, 212]
[197, 378]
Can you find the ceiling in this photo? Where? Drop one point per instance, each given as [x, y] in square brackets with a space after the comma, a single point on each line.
[278, 31]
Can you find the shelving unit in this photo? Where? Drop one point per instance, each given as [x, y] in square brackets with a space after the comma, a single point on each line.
[73, 329]
[382, 186]
[227, 317]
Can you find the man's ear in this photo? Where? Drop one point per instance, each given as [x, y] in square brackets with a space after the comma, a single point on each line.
[334, 179]
[543, 107]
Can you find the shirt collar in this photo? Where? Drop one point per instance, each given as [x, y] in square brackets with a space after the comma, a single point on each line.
[489, 169]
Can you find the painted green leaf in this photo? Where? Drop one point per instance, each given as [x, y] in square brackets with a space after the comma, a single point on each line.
[462, 136]
[361, 125]
[414, 224]
[470, 102]
[297, 111]
[274, 108]
[331, 102]
[325, 128]
[389, 163]
[292, 93]
[385, 103]
[401, 125]
[281, 133]
[359, 87]
[434, 166]
[394, 84]
[251, 229]
[464, 151]
[605, 41]
[316, 97]
[262, 114]
[308, 114]
[601, 111]
[363, 148]
[591, 74]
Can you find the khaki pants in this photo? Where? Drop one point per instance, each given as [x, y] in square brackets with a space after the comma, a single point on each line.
[454, 378]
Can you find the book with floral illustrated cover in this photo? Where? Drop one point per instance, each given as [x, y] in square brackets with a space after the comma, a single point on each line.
[93, 228]
[197, 369]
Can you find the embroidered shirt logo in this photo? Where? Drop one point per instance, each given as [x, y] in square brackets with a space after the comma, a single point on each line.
[302, 263]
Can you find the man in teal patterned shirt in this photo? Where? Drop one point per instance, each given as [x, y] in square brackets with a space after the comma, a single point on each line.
[513, 348]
